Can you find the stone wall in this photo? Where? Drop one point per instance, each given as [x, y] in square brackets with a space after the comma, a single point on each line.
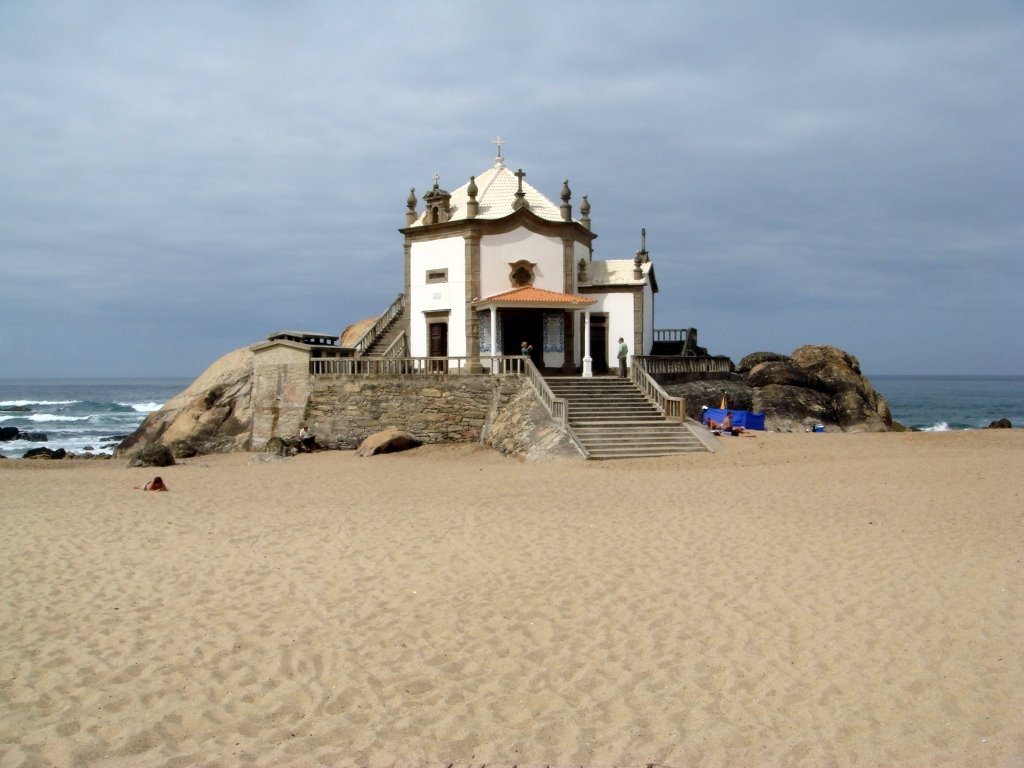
[281, 391]
[342, 410]
[502, 411]
[256, 395]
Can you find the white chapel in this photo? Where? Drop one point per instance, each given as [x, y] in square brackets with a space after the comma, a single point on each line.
[495, 263]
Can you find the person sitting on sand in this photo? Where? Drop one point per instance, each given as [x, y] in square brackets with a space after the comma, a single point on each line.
[156, 484]
[725, 425]
[306, 439]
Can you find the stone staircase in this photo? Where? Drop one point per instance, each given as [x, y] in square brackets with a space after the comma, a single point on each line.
[613, 419]
[393, 330]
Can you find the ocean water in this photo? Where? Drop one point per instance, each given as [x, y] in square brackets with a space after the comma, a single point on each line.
[93, 415]
[941, 403]
[79, 415]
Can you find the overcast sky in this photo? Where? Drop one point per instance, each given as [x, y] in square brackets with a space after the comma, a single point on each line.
[179, 179]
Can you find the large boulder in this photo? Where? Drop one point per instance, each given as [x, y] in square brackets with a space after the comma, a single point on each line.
[45, 453]
[213, 415]
[13, 433]
[792, 409]
[756, 358]
[816, 384]
[781, 373]
[387, 441]
[152, 455]
[858, 406]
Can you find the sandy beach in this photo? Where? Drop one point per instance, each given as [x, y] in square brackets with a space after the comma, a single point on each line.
[793, 600]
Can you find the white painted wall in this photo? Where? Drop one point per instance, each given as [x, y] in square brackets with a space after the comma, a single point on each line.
[498, 251]
[619, 307]
[450, 254]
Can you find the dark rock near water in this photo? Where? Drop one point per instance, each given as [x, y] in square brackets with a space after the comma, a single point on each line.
[15, 409]
[1000, 424]
[814, 385]
[152, 455]
[45, 453]
[13, 433]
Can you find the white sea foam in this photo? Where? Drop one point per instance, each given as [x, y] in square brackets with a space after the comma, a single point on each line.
[940, 427]
[143, 407]
[22, 403]
[52, 417]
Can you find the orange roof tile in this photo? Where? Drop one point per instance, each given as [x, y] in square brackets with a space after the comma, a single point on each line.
[534, 296]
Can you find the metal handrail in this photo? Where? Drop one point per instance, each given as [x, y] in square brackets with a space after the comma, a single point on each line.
[376, 330]
[672, 408]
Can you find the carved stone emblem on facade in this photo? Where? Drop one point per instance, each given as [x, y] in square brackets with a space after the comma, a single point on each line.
[522, 273]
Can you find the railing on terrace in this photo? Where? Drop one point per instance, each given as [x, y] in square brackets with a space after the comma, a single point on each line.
[655, 364]
[673, 334]
[556, 406]
[410, 366]
[375, 331]
[398, 348]
[672, 408]
[688, 336]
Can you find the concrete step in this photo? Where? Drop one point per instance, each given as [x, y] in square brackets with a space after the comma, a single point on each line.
[613, 420]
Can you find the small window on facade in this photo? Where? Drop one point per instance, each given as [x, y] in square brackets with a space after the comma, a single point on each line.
[437, 275]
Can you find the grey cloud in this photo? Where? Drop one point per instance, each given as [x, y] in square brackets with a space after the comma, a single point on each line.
[191, 177]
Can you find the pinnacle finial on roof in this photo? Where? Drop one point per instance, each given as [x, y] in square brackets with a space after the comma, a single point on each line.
[642, 253]
[499, 160]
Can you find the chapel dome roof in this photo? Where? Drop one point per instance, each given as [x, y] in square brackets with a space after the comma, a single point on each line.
[496, 193]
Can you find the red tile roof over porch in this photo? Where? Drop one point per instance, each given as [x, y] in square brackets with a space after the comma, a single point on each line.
[534, 296]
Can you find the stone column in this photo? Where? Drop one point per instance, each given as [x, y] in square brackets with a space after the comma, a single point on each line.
[472, 329]
[588, 361]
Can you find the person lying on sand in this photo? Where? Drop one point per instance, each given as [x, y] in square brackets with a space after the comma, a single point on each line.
[156, 484]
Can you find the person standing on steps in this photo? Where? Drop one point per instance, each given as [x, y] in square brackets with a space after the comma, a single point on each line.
[623, 354]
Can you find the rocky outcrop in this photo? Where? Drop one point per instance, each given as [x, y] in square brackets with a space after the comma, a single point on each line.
[816, 384]
[1000, 424]
[214, 415]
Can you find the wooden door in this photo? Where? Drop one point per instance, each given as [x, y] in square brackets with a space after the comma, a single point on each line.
[438, 345]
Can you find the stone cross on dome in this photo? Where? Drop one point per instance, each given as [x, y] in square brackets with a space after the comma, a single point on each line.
[499, 141]
[520, 200]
